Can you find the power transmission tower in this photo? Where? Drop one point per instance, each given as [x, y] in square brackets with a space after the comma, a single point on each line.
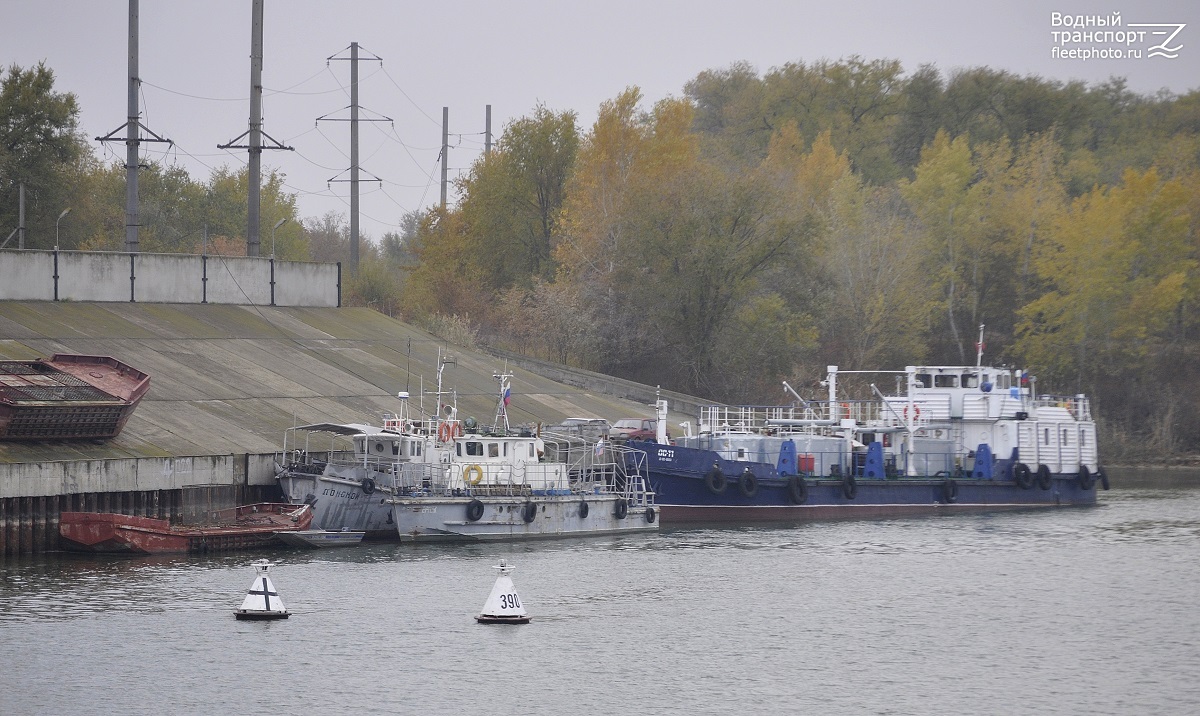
[354, 168]
[133, 139]
[255, 132]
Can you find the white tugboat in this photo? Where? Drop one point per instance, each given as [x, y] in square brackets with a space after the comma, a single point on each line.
[441, 478]
[346, 471]
[497, 484]
[262, 600]
[503, 605]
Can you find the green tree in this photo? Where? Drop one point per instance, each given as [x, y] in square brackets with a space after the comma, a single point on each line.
[512, 199]
[41, 148]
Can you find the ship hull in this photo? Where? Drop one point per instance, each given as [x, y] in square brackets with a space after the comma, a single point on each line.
[509, 518]
[342, 500]
[687, 495]
[247, 527]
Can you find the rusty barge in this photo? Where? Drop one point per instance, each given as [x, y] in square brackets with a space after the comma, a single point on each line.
[68, 397]
[244, 527]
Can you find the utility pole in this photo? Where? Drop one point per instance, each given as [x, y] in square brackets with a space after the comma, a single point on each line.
[354, 168]
[132, 139]
[354, 157]
[445, 150]
[21, 217]
[487, 132]
[255, 133]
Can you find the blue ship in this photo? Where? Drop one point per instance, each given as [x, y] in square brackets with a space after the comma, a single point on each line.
[952, 439]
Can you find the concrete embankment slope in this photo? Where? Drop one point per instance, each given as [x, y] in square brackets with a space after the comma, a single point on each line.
[226, 382]
[229, 380]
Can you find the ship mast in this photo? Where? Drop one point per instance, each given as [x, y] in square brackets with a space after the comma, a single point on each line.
[502, 402]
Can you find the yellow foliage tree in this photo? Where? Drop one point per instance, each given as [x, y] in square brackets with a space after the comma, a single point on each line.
[1118, 265]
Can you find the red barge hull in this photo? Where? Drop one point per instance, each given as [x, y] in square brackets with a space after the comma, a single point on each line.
[68, 397]
[245, 527]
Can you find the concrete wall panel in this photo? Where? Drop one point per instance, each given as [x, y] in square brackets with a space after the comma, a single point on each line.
[306, 284]
[164, 278]
[84, 276]
[239, 280]
[27, 275]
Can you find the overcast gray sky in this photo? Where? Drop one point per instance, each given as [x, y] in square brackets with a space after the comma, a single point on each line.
[513, 55]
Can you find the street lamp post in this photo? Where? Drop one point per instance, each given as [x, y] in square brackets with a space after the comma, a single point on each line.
[56, 222]
[276, 226]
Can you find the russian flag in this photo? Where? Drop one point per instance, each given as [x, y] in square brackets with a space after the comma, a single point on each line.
[507, 395]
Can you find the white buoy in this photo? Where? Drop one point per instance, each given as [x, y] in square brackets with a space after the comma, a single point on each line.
[503, 606]
[262, 601]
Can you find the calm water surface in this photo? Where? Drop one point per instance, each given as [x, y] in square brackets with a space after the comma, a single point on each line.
[1078, 611]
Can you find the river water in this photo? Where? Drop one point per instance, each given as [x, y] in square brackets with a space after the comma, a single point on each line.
[1073, 611]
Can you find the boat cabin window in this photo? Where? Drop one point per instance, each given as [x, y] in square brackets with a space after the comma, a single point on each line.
[1046, 437]
[1003, 381]
[414, 448]
[1066, 438]
[379, 447]
[493, 450]
[395, 447]
[474, 449]
[970, 380]
[945, 381]
[924, 380]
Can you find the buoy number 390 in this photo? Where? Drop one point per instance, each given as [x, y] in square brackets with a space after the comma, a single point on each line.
[509, 601]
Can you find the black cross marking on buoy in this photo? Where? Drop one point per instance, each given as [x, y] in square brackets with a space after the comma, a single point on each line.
[266, 594]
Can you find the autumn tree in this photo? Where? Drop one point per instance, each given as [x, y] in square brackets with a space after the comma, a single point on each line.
[1117, 267]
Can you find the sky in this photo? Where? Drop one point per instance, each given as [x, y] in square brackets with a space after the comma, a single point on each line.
[194, 65]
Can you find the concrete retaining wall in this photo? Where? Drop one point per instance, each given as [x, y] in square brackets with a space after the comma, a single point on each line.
[181, 489]
[68, 477]
[166, 278]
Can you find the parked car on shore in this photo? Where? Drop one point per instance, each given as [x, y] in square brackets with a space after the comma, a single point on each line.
[594, 429]
[635, 429]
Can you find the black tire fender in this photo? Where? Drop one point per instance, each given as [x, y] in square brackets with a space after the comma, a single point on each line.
[1085, 478]
[950, 491]
[715, 480]
[474, 510]
[797, 490]
[1044, 480]
[748, 484]
[1022, 476]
